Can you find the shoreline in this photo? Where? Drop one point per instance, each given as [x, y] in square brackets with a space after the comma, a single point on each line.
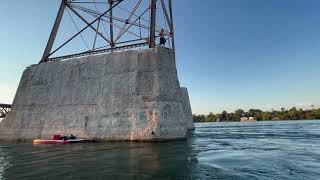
[259, 121]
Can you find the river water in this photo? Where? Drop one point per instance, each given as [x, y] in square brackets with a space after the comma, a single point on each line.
[263, 150]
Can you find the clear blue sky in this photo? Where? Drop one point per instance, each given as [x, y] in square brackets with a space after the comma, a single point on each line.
[230, 53]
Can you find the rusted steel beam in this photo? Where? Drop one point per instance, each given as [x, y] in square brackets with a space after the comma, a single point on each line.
[88, 23]
[86, 27]
[107, 16]
[152, 41]
[95, 37]
[5, 105]
[172, 28]
[4, 109]
[54, 32]
[111, 23]
[98, 51]
[147, 37]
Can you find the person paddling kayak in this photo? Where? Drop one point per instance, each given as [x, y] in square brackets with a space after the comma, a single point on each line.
[58, 139]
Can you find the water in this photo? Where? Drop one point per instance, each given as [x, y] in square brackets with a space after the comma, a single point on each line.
[264, 150]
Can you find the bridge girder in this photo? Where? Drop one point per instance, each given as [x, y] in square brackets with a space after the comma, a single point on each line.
[4, 109]
[132, 24]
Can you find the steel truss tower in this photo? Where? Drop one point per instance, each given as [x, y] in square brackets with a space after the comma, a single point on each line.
[117, 24]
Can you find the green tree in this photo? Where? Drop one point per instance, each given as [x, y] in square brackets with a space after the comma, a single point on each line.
[266, 116]
[224, 116]
[195, 118]
[238, 114]
[313, 114]
[293, 114]
[212, 117]
[258, 115]
[202, 118]
[251, 113]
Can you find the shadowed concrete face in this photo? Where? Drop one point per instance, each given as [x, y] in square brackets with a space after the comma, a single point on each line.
[187, 108]
[130, 95]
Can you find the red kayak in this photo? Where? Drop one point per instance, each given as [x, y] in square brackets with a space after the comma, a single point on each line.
[57, 139]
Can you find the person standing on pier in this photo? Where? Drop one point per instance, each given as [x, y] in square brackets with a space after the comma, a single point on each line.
[162, 38]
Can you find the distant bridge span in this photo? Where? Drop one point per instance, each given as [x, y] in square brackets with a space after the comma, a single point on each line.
[4, 109]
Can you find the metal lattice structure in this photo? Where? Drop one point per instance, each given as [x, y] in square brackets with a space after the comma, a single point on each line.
[4, 109]
[116, 24]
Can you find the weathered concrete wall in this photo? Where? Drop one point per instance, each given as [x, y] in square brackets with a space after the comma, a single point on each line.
[130, 95]
[187, 108]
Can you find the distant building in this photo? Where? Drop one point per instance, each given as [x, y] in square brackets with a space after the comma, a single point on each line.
[252, 119]
[243, 119]
[246, 119]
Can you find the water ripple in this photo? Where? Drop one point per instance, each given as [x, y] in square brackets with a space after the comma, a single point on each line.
[263, 150]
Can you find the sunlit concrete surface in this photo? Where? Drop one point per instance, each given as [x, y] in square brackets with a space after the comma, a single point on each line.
[128, 95]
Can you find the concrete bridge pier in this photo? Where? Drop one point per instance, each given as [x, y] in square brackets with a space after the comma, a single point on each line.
[131, 95]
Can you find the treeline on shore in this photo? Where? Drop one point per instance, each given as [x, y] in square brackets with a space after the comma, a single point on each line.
[259, 115]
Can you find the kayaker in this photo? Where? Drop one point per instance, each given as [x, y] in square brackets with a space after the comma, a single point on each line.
[64, 138]
[73, 137]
